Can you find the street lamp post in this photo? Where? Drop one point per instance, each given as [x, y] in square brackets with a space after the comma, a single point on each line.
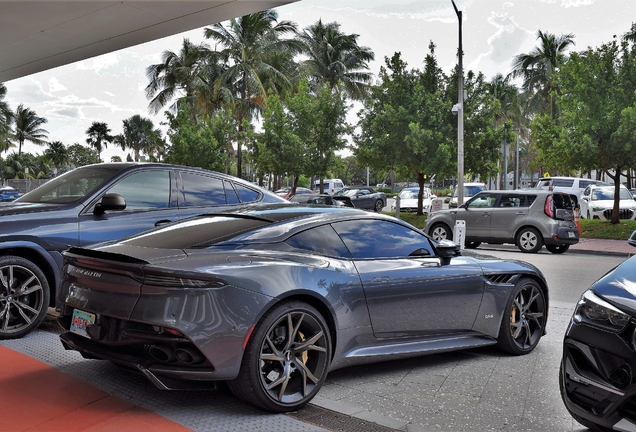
[460, 115]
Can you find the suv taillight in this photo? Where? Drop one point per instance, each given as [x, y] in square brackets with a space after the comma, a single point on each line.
[548, 207]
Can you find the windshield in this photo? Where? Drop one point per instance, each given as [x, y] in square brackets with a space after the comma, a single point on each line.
[70, 187]
[347, 192]
[408, 194]
[606, 194]
[471, 190]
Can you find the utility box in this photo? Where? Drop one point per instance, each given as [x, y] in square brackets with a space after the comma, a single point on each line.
[460, 233]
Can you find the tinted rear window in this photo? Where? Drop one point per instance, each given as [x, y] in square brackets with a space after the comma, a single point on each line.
[563, 182]
[562, 201]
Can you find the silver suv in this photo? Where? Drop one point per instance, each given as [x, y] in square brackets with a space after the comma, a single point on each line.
[526, 218]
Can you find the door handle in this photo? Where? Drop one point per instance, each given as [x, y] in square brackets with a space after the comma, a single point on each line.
[162, 222]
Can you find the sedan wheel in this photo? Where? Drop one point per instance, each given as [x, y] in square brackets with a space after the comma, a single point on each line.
[557, 249]
[440, 232]
[524, 318]
[529, 240]
[286, 360]
[378, 206]
[24, 297]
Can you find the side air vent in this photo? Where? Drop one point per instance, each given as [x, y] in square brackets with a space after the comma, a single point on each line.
[501, 278]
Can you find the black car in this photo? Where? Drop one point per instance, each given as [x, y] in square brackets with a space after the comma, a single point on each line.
[322, 199]
[271, 299]
[92, 204]
[364, 197]
[596, 378]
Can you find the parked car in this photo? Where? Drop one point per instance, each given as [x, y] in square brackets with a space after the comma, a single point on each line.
[7, 193]
[322, 199]
[364, 198]
[527, 218]
[282, 191]
[596, 376]
[408, 200]
[92, 204]
[597, 202]
[272, 299]
[330, 186]
[299, 191]
[570, 185]
[470, 190]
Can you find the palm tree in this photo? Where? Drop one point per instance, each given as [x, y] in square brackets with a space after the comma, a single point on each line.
[177, 74]
[537, 69]
[139, 135]
[98, 136]
[57, 153]
[6, 118]
[335, 57]
[28, 127]
[251, 47]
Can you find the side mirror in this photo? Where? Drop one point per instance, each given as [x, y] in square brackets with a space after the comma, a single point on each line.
[632, 239]
[110, 201]
[447, 249]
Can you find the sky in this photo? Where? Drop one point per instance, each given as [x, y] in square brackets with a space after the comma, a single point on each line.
[110, 88]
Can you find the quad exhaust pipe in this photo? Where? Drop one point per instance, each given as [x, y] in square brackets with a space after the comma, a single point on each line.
[166, 354]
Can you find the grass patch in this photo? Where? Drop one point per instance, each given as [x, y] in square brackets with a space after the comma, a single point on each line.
[600, 229]
[590, 228]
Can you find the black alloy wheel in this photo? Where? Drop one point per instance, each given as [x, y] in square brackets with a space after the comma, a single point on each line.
[529, 240]
[378, 206]
[557, 249]
[24, 297]
[524, 319]
[286, 360]
[440, 232]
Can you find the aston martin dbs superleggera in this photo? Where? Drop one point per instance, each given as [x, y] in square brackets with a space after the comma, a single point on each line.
[271, 299]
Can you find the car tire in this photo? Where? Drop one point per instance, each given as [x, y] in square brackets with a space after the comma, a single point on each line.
[529, 240]
[524, 318]
[378, 206]
[279, 372]
[440, 231]
[588, 424]
[24, 297]
[557, 249]
[472, 244]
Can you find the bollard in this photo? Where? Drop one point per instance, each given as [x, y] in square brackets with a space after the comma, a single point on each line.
[459, 235]
[397, 206]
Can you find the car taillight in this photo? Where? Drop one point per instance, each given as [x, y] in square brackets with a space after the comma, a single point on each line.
[548, 206]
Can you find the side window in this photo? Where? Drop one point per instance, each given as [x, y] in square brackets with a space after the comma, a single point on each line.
[322, 240]
[483, 200]
[510, 200]
[202, 191]
[563, 182]
[145, 190]
[381, 239]
[246, 195]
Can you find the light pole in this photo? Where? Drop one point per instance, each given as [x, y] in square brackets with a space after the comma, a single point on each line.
[460, 115]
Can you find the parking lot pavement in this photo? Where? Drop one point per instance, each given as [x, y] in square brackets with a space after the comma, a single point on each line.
[472, 390]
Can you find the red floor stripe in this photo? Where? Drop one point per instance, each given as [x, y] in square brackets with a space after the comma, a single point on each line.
[37, 397]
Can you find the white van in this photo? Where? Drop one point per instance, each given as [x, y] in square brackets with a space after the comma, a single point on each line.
[331, 186]
[574, 186]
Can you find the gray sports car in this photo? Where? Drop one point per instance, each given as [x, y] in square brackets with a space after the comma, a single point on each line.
[271, 299]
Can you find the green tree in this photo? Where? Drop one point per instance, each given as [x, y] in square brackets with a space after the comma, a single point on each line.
[57, 153]
[140, 136]
[79, 155]
[28, 127]
[200, 144]
[99, 136]
[278, 149]
[6, 118]
[405, 121]
[335, 58]
[598, 111]
[176, 76]
[251, 45]
[538, 68]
